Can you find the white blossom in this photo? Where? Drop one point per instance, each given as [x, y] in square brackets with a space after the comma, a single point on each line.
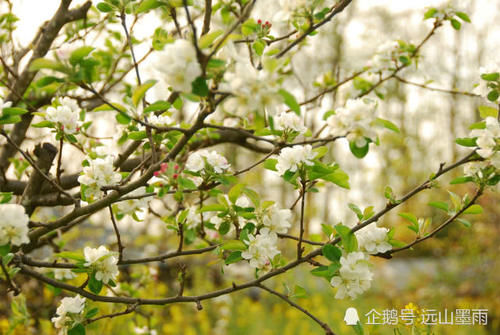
[252, 89]
[99, 173]
[196, 161]
[62, 274]
[383, 58]
[103, 262]
[178, 63]
[13, 225]
[278, 220]
[291, 158]
[487, 138]
[160, 120]
[243, 202]
[129, 207]
[373, 239]
[289, 121]
[473, 169]
[354, 276]
[68, 312]
[261, 249]
[355, 119]
[67, 114]
[193, 218]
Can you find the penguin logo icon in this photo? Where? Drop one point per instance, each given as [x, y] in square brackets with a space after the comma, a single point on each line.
[351, 317]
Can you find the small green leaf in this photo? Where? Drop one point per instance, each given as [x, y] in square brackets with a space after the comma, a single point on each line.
[259, 46]
[466, 223]
[123, 118]
[494, 76]
[7, 119]
[332, 253]
[233, 258]
[140, 91]
[78, 329]
[493, 95]
[474, 209]
[91, 313]
[147, 5]
[157, 106]
[233, 245]
[466, 142]
[410, 217]
[327, 229]
[359, 152]
[270, 164]
[137, 135]
[4, 250]
[71, 255]
[463, 16]
[461, 180]
[430, 13]
[79, 54]
[486, 111]
[213, 208]
[200, 87]
[224, 227]
[95, 286]
[104, 7]
[42, 63]
[455, 24]
[349, 240]
[387, 124]
[235, 192]
[207, 39]
[290, 101]
[299, 292]
[14, 111]
[439, 205]
[356, 210]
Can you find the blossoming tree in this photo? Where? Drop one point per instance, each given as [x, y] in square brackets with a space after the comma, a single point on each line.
[225, 78]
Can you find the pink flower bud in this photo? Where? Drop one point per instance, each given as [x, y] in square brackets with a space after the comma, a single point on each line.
[175, 176]
[163, 167]
[156, 173]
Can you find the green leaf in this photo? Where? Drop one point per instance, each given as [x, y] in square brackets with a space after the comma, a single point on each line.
[463, 16]
[327, 229]
[91, 313]
[235, 192]
[461, 180]
[356, 210]
[104, 7]
[387, 124]
[349, 240]
[43, 63]
[200, 87]
[213, 208]
[270, 164]
[466, 223]
[233, 245]
[455, 24]
[147, 5]
[233, 258]
[224, 227]
[14, 111]
[207, 39]
[137, 135]
[259, 46]
[157, 106]
[410, 217]
[249, 27]
[140, 91]
[493, 95]
[466, 142]
[474, 209]
[326, 271]
[4, 250]
[359, 152]
[187, 183]
[123, 118]
[332, 253]
[5, 197]
[485, 111]
[339, 177]
[7, 119]
[79, 54]
[78, 329]
[439, 205]
[290, 101]
[320, 151]
[95, 286]
[299, 292]
[455, 199]
[494, 76]
[431, 12]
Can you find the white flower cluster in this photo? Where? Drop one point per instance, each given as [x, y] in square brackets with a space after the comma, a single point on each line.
[278, 220]
[193, 218]
[99, 173]
[354, 275]
[373, 239]
[262, 248]
[130, 206]
[289, 121]
[488, 141]
[103, 262]
[178, 63]
[483, 89]
[13, 225]
[66, 115]
[292, 158]
[384, 56]
[63, 274]
[354, 120]
[68, 312]
[160, 120]
[252, 89]
[197, 161]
